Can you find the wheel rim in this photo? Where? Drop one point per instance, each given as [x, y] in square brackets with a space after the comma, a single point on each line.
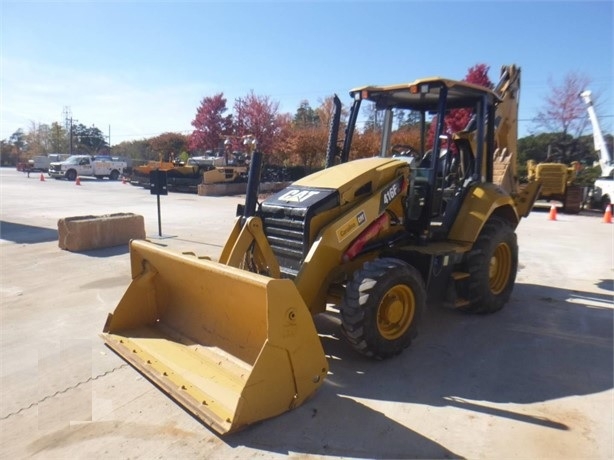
[500, 268]
[396, 312]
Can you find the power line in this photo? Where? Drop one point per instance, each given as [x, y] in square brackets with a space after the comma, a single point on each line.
[554, 118]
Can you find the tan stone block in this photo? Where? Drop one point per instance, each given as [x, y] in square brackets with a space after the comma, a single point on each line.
[81, 233]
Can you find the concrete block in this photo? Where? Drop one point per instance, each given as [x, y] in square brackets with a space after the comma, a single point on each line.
[81, 233]
[225, 189]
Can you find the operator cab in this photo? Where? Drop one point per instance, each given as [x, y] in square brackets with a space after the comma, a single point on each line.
[411, 121]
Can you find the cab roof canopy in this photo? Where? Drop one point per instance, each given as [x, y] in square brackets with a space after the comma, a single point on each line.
[423, 94]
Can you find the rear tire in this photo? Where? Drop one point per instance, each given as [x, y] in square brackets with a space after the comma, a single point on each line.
[492, 265]
[382, 307]
[573, 200]
[114, 175]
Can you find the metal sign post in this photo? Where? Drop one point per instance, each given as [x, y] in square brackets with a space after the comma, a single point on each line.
[158, 186]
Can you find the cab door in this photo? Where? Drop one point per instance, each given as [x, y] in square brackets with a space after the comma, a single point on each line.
[86, 167]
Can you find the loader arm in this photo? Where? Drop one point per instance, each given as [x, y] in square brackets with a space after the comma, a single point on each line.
[248, 248]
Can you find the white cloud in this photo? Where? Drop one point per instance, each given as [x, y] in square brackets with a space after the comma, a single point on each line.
[132, 107]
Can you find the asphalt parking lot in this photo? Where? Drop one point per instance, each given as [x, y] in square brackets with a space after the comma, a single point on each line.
[534, 380]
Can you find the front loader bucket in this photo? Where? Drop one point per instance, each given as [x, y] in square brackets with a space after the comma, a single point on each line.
[231, 346]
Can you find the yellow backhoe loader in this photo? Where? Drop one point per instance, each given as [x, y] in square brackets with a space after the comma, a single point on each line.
[376, 238]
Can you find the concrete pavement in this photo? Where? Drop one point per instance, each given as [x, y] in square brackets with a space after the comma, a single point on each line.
[532, 381]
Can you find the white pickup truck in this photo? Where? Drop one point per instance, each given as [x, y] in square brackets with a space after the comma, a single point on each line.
[85, 165]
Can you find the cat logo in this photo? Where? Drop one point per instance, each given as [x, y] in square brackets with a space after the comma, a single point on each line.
[297, 196]
[361, 217]
[348, 228]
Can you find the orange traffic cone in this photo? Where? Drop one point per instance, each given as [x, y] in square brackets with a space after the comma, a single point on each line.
[552, 212]
[42, 178]
[124, 180]
[77, 181]
[607, 215]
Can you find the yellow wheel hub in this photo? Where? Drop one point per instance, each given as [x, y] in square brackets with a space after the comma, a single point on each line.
[500, 268]
[396, 312]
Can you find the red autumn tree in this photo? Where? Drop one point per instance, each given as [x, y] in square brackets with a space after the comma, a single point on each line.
[258, 116]
[210, 124]
[457, 119]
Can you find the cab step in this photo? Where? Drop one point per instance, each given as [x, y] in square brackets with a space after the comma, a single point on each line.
[457, 276]
[460, 303]
[457, 290]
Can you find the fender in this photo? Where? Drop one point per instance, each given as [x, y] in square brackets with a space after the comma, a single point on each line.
[482, 201]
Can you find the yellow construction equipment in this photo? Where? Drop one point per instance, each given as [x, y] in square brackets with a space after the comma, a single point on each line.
[235, 165]
[225, 174]
[558, 182]
[234, 341]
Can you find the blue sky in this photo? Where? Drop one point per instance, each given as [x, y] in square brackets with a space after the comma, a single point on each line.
[137, 69]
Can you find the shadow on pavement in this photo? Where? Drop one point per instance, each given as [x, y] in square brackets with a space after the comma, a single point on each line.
[334, 425]
[546, 344]
[607, 285]
[106, 252]
[26, 234]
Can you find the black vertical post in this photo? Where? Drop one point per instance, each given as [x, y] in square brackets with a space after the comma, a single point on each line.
[157, 186]
[253, 183]
[159, 216]
[333, 133]
[349, 131]
[490, 138]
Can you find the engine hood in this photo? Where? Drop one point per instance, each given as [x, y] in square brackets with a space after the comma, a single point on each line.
[356, 177]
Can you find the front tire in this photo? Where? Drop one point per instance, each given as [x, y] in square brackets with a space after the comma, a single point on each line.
[382, 307]
[71, 175]
[492, 265]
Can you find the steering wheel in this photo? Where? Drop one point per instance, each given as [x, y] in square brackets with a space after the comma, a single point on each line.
[405, 150]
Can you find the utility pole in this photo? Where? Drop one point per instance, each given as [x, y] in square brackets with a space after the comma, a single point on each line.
[67, 114]
[70, 140]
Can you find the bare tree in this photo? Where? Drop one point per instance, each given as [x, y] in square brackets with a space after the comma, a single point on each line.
[564, 116]
[563, 111]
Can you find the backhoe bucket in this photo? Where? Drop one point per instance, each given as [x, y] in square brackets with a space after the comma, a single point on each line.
[231, 346]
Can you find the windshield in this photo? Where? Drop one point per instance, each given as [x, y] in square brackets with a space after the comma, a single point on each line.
[73, 160]
[393, 132]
